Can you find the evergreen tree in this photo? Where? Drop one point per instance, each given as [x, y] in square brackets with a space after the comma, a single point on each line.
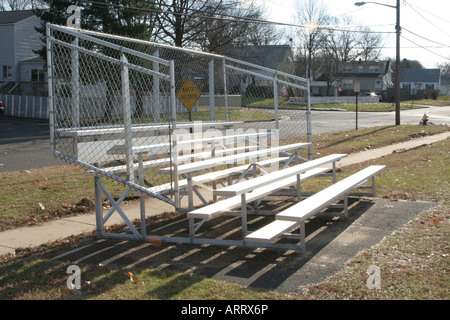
[129, 18]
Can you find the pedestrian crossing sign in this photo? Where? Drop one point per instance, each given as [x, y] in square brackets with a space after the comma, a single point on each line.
[188, 94]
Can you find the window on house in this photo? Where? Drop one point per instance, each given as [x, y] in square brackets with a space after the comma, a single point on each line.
[407, 86]
[429, 86]
[377, 84]
[347, 83]
[37, 75]
[7, 72]
[374, 69]
[360, 68]
[346, 68]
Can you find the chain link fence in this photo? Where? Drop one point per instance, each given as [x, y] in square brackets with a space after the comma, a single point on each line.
[115, 103]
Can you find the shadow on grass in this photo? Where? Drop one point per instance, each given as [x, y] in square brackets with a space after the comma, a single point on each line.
[257, 268]
[36, 278]
[173, 271]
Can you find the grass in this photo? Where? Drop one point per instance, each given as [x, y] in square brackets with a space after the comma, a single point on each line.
[414, 260]
[414, 265]
[369, 138]
[439, 102]
[368, 107]
[39, 195]
[203, 114]
[363, 107]
[34, 278]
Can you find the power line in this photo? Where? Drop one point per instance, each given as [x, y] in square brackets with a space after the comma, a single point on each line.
[231, 18]
[425, 18]
[445, 20]
[444, 45]
[425, 48]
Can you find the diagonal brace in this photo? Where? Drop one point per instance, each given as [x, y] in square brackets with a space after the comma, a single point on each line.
[116, 206]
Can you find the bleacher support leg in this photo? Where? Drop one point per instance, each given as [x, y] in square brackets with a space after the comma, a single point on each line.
[302, 235]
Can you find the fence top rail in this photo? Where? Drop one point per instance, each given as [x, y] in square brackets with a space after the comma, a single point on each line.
[160, 45]
[85, 33]
[272, 71]
[263, 76]
[77, 33]
[107, 58]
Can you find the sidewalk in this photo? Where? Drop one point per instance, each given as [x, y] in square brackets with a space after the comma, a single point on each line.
[36, 235]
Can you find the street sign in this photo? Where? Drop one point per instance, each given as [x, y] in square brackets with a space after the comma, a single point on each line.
[356, 87]
[188, 94]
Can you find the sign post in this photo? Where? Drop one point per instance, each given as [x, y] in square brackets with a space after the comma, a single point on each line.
[188, 95]
[356, 89]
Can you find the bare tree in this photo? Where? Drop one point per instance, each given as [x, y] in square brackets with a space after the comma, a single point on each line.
[325, 41]
[370, 45]
[16, 5]
[181, 21]
[311, 14]
[341, 43]
[238, 26]
[211, 24]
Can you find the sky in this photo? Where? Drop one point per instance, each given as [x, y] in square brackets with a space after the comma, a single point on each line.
[425, 24]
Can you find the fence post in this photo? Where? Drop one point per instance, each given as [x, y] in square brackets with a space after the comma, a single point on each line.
[174, 153]
[33, 109]
[308, 121]
[20, 106]
[12, 105]
[126, 107]
[26, 107]
[156, 96]
[75, 86]
[225, 91]
[275, 99]
[50, 88]
[40, 107]
[212, 115]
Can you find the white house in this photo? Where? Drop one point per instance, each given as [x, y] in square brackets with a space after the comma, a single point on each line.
[21, 68]
[420, 79]
[372, 76]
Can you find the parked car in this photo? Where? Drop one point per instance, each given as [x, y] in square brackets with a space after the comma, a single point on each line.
[367, 94]
[2, 109]
[371, 94]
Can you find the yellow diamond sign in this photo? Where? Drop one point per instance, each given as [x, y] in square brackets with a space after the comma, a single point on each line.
[188, 94]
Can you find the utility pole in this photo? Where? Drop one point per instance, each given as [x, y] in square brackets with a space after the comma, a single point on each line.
[397, 66]
[397, 55]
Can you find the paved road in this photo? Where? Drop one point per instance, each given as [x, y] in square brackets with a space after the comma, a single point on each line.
[331, 121]
[25, 143]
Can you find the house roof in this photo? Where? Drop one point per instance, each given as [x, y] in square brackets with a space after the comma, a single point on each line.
[11, 17]
[420, 75]
[37, 59]
[270, 56]
[385, 68]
